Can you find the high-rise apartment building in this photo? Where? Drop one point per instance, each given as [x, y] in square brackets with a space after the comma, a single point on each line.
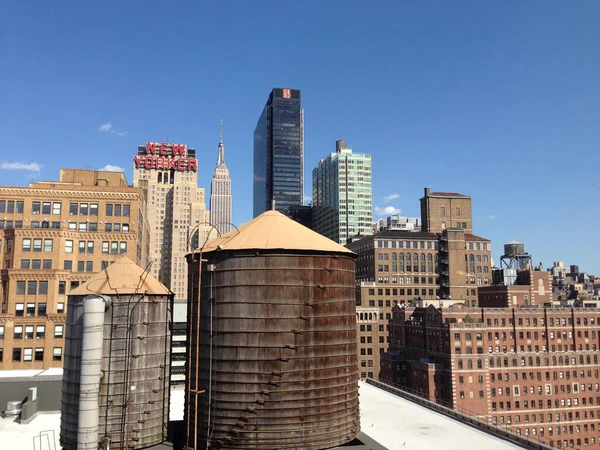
[220, 192]
[415, 269]
[342, 194]
[531, 370]
[53, 236]
[279, 153]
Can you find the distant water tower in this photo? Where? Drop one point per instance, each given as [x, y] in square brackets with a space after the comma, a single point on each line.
[115, 391]
[515, 257]
[272, 359]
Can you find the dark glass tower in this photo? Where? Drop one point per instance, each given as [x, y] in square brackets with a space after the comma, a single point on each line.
[279, 153]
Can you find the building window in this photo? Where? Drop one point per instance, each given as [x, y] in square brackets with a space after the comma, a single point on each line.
[68, 264]
[458, 211]
[47, 264]
[43, 288]
[60, 307]
[48, 245]
[16, 354]
[122, 247]
[443, 211]
[58, 331]
[35, 207]
[29, 332]
[40, 332]
[68, 246]
[1, 332]
[26, 245]
[80, 266]
[105, 246]
[90, 247]
[39, 354]
[82, 247]
[109, 210]
[57, 354]
[89, 266]
[73, 209]
[30, 309]
[31, 287]
[18, 332]
[41, 310]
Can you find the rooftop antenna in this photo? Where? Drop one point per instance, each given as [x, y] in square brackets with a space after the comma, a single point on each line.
[273, 203]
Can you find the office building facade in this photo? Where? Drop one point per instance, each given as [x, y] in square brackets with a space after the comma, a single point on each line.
[279, 153]
[178, 221]
[54, 235]
[220, 192]
[342, 194]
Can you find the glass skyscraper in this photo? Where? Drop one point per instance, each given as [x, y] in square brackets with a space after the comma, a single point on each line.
[279, 153]
[342, 194]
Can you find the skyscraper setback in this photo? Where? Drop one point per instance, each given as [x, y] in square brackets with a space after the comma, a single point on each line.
[176, 209]
[279, 153]
[342, 194]
[220, 192]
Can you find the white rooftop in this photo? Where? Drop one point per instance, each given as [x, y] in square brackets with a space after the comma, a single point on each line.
[27, 373]
[22, 437]
[397, 423]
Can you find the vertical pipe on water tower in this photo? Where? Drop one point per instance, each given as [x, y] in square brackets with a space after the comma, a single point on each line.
[91, 363]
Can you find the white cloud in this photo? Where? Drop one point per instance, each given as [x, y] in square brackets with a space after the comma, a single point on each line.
[108, 128]
[307, 199]
[111, 168]
[391, 197]
[32, 167]
[386, 211]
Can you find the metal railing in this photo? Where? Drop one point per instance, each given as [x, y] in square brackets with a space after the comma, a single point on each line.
[470, 417]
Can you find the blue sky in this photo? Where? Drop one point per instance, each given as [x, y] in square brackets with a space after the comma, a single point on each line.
[495, 99]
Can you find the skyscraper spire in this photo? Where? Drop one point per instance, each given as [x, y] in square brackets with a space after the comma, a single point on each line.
[220, 191]
[221, 157]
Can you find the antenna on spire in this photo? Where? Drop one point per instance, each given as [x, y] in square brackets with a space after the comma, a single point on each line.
[221, 133]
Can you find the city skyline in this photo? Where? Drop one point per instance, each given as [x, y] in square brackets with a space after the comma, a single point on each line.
[481, 92]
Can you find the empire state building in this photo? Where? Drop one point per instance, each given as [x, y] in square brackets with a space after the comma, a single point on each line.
[220, 192]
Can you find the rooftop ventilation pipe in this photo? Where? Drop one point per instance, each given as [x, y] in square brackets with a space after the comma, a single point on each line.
[94, 307]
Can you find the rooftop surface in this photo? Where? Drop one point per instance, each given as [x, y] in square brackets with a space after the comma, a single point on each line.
[400, 424]
[387, 422]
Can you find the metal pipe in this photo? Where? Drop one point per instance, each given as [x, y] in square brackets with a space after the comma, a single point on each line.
[94, 307]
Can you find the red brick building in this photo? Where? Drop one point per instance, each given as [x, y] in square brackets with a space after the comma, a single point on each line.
[445, 263]
[533, 370]
[534, 288]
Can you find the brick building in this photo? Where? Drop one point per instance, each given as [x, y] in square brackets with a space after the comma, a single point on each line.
[53, 237]
[533, 288]
[440, 265]
[533, 370]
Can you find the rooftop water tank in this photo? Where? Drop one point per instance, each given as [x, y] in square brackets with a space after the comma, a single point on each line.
[117, 354]
[273, 351]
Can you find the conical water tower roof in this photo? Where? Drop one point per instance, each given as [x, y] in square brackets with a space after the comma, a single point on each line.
[122, 277]
[273, 230]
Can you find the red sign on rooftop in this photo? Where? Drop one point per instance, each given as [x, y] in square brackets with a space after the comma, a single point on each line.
[165, 156]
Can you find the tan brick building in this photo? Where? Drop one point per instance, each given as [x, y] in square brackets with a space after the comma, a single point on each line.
[53, 237]
[439, 266]
[533, 370]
